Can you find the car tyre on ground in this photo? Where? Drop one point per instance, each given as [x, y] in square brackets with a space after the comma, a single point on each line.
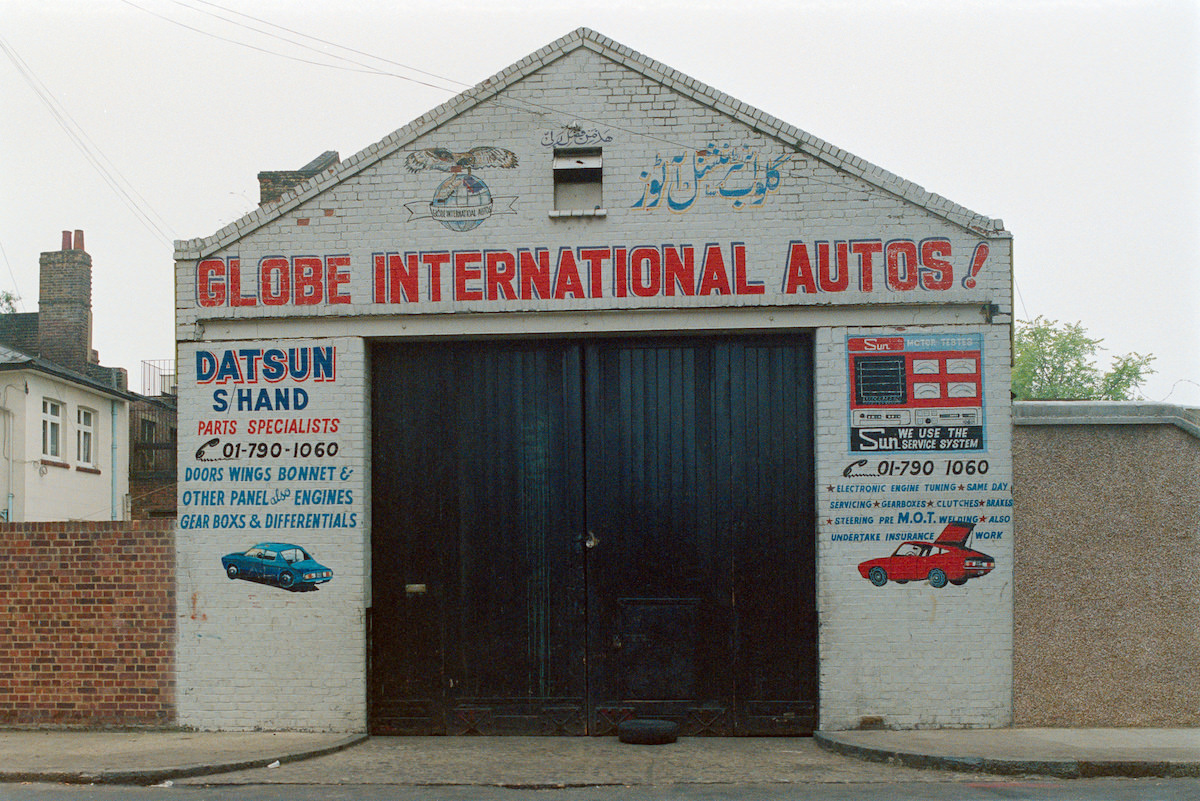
[647, 732]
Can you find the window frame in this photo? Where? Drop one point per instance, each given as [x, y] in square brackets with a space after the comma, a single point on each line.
[53, 425]
[90, 432]
[578, 168]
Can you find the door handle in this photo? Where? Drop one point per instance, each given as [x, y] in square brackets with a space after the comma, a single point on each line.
[591, 542]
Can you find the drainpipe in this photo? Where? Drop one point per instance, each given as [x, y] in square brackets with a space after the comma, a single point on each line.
[113, 459]
[8, 435]
[8, 453]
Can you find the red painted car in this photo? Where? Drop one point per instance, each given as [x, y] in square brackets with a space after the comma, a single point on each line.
[946, 559]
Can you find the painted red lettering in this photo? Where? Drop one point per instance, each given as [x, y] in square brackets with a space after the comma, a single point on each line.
[679, 270]
[464, 272]
[901, 265]
[714, 278]
[500, 270]
[396, 277]
[866, 251]
[936, 274]
[799, 277]
[306, 278]
[568, 281]
[743, 286]
[435, 262]
[210, 279]
[644, 272]
[534, 273]
[274, 280]
[335, 276]
[595, 258]
[825, 270]
[620, 273]
[236, 298]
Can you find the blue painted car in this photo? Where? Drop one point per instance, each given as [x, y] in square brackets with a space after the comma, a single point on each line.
[277, 563]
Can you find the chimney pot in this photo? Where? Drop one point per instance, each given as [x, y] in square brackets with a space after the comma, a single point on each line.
[66, 245]
[78, 239]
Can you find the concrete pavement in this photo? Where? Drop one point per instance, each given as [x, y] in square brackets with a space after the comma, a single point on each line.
[1063, 753]
[151, 757]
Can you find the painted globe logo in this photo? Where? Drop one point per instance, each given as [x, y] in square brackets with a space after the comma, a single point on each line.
[461, 202]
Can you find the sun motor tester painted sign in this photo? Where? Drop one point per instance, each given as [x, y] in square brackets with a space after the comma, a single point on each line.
[923, 498]
[916, 393]
[395, 277]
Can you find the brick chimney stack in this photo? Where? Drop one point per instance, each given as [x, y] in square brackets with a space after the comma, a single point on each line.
[272, 184]
[65, 304]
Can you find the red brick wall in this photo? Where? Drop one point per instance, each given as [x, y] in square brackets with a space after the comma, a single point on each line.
[152, 498]
[87, 623]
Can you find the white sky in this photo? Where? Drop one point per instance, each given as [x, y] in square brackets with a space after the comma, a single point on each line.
[1077, 123]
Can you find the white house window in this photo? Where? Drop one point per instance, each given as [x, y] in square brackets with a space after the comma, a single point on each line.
[578, 181]
[52, 415]
[85, 436]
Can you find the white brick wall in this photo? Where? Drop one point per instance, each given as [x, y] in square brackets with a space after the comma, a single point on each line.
[930, 658]
[915, 655]
[254, 655]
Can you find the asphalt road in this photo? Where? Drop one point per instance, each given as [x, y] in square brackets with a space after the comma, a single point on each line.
[990, 790]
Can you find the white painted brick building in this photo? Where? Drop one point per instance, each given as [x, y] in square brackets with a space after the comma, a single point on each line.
[593, 388]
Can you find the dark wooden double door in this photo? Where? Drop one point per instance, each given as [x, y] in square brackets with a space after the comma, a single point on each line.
[570, 534]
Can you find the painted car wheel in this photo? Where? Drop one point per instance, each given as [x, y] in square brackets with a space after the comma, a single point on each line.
[286, 579]
[232, 571]
[877, 575]
[958, 582]
[937, 577]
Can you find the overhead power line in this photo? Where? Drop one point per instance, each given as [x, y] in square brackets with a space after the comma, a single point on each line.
[320, 40]
[516, 104]
[359, 67]
[124, 190]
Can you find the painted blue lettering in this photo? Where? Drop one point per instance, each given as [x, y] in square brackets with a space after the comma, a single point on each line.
[206, 366]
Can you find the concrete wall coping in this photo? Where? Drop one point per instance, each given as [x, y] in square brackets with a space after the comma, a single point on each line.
[1065, 413]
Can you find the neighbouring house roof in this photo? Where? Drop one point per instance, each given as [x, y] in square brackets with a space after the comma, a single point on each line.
[759, 121]
[12, 360]
[20, 330]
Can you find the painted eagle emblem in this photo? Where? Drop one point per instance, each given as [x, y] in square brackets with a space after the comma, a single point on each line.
[440, 158]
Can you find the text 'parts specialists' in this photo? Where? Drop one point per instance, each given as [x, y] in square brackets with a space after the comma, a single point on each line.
[541, 274]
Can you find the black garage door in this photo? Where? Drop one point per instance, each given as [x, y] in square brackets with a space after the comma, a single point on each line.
[569, 534]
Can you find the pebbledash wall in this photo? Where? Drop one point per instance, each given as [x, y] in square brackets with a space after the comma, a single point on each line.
[715, 219]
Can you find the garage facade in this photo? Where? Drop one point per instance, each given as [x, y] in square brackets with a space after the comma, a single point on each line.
[584, 397]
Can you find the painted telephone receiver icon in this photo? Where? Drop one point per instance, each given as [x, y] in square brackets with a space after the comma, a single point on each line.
[210, 444]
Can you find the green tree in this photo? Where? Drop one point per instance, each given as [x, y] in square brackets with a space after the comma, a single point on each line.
[8, 302]
[1053, 361]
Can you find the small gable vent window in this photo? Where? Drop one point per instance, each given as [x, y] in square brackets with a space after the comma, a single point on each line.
[578, 183]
